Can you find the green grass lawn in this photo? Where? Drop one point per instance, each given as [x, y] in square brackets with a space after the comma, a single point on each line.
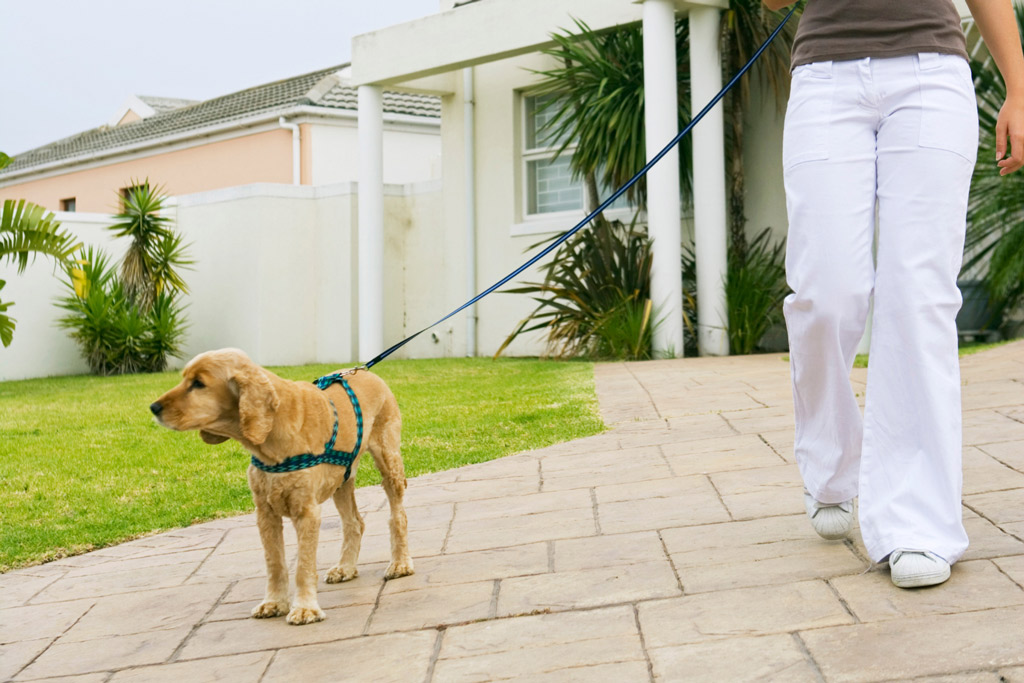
[83, 465]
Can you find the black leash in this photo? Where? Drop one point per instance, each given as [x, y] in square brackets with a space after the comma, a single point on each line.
[605, 204]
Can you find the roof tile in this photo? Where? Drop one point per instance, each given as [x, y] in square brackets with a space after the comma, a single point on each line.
[170, 120]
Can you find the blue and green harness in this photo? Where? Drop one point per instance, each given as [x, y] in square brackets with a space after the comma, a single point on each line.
[330, 455]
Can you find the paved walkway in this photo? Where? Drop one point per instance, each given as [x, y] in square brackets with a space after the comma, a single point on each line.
[671, 547]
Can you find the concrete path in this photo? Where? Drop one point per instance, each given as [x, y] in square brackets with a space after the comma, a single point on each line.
[671, 547]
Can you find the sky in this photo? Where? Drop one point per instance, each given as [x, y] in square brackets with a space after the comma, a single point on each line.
[68, 65]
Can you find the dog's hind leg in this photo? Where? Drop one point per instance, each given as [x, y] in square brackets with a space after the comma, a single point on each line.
[386, 449]
[306, 609]
[352, 526]
[275, 599]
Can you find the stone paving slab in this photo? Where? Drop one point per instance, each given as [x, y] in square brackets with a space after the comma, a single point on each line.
[672, 547]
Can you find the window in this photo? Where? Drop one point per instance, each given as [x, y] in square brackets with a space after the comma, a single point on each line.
[549, 186]
[67, 204]
[549, 183]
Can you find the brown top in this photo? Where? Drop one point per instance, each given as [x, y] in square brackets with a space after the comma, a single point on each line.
[838, 30]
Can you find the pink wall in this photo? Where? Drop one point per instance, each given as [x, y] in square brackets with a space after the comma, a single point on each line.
[262, 157]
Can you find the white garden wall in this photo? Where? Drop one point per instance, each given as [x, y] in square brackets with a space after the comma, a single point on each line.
[275, 274]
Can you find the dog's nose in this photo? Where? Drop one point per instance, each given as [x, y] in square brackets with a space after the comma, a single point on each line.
[155, 408]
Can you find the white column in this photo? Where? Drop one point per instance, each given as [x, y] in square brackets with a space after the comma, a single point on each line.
[664, 212]
[371, 222]
[709, 212]
[469, 142]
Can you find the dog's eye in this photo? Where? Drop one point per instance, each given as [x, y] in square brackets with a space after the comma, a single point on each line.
[196, 384]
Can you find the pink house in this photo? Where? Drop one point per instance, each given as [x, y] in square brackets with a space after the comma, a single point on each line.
[300, 130]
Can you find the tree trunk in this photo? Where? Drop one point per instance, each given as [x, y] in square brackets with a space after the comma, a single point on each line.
[734, 102]
[594, 200]
[737, 181]
[592, 197]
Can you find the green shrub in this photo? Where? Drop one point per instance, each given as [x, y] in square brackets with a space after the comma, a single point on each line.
[130, 319]
[755, 288]
[116, 336]
[595, 299]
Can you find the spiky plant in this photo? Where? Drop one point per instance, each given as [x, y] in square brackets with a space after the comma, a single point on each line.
[601, 76]
[755, 288]
[595, 298]
[130, 319]
[151, 262]
[114, 334]
[745, 26]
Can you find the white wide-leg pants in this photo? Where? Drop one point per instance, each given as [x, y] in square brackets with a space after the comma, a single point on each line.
[902, 131]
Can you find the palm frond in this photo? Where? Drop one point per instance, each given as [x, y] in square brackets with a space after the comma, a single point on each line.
[755, 288]
[27, 229]
[6, 321]
[152, 261]
[594, 299]
[600, 103]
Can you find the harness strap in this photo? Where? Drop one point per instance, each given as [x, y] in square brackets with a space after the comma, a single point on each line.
[329, 456]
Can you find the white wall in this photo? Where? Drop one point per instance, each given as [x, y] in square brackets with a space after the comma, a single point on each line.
[275, 274]
[762, 162]
[411, 153]
[502, 241]
[256, 283]
[40, 348]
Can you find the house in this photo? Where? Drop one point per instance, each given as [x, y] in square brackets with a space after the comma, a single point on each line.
[262, 188]
[343, 266]
[480, 55]
[300, 130]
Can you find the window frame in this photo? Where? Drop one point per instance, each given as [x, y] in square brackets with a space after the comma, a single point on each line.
[551, 221]
[548, 153]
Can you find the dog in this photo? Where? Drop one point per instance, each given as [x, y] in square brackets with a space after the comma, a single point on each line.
[225, 395]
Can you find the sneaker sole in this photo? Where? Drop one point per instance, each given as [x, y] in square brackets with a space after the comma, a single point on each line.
[921, 580]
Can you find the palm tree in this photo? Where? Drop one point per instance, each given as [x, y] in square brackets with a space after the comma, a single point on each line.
[27, 230]
[130, 318]
[150, 264]
[600, 110]
[745, 26]
[995, 227]
[601, 105]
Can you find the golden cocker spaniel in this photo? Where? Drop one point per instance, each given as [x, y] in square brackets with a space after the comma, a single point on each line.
[225, 395]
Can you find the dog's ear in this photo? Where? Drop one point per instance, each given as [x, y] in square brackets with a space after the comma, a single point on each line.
[212, 439]
[257, 402]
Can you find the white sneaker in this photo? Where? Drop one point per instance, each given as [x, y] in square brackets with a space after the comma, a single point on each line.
[916, 568]
[831, 521]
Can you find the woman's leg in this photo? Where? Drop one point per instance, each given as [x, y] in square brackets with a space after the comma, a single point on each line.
[829, 163]
[911, 461]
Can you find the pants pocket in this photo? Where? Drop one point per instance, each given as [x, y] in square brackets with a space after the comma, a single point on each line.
[808, 114]
[949, 109]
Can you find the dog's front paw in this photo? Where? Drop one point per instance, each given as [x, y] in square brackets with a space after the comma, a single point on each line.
[305, 615]
[338, 574]
[398, 568]
[269, 608]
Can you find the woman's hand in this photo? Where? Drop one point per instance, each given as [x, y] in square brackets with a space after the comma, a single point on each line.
[1010, 126]
[998, 25]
